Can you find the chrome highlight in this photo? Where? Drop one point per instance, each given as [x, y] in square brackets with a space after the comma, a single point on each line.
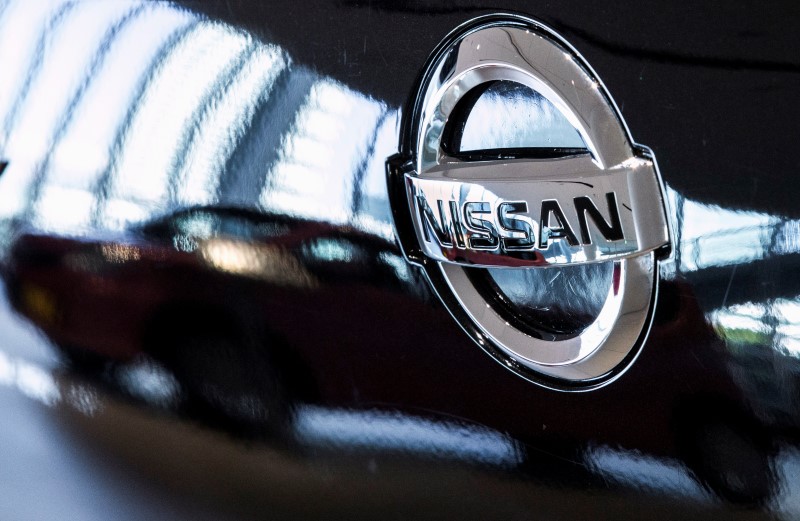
[536, 213]
[529, 208]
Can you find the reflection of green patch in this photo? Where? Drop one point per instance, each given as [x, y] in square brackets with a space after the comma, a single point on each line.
[743, 337]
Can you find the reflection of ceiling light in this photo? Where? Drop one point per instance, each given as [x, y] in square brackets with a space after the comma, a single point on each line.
[713, 236]
[394, 430]
[260, 261]
[775, 322]
[31, 380]
[149, 381]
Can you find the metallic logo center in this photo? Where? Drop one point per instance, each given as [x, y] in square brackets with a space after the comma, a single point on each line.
[530, 208]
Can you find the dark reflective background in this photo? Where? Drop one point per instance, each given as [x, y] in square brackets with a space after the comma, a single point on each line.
[205, 301]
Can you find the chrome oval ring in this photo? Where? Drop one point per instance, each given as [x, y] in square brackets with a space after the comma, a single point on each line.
[521, 50]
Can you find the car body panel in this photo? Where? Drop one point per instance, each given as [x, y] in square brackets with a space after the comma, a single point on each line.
[119, 118]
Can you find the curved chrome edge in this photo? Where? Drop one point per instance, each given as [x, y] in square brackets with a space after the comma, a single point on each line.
[607, 348]
[595, 351]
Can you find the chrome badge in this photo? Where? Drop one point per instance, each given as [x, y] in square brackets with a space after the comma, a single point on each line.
[562, 194]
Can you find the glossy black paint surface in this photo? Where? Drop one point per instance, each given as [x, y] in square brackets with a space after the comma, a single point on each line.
[318, 338]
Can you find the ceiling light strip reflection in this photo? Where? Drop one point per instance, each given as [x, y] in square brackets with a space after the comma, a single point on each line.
[83, 152]
[60, 12]
[154, 134]
[73, 89]
[223, 124]
[328, 140]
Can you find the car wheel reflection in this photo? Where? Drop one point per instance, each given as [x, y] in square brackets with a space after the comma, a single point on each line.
[203, 351]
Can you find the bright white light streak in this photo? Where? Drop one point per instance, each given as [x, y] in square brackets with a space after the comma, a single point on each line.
[792, 346]
[788, 311]
[788, 241]
[778, 319]
[84, 152]
[39, 384]
[21, 26]
[730, 319]
[31, 380]
[635, 469]
[398, 264]
[149, 381]
[62, 209]
[374, 183]
[517, 121]
[223, 125]
[68, 54]
[328, 140]
[396, 431]
[164, 117]
[373, 216]
[121, 212]
[714, 236]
